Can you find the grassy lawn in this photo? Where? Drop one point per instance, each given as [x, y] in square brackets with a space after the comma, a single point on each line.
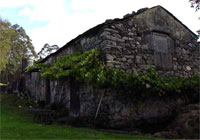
[17, 124]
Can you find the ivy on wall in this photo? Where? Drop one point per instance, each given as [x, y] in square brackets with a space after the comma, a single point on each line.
[89, 67]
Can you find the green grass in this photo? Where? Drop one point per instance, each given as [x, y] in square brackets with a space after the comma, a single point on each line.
[18, 124]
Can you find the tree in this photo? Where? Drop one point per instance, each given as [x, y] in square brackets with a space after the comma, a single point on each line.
[195, 4]
[15, 45]
[47, 50]
[5, 37]
[21, 48]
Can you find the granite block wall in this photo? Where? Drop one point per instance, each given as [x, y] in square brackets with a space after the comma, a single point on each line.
[132, 44]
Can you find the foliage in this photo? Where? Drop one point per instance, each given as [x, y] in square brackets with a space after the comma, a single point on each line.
[47, 50]
[89, 67]
[36, 66]
[195, 4]
[5, 38]
[15, 45]
[83, 67]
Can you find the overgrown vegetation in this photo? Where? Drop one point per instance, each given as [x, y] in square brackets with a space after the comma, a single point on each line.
[89, 67]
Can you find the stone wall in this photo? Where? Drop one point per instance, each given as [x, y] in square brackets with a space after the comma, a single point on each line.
[50, 92]
[121, 113]
[132, 44]
[150, 37]
[80, 44]
[137, 42]
[32, 81]
[60, 93]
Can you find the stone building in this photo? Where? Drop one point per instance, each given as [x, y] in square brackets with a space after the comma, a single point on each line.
[147, 37]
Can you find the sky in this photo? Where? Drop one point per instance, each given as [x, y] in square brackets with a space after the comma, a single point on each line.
[59, 21]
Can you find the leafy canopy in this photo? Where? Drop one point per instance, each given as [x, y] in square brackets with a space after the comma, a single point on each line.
[15, 45]
[5, 41]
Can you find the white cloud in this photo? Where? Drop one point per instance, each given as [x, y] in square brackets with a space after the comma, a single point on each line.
[12, 3]
[62, 30]
[43, 10]
[65, 24]
[26, 11]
